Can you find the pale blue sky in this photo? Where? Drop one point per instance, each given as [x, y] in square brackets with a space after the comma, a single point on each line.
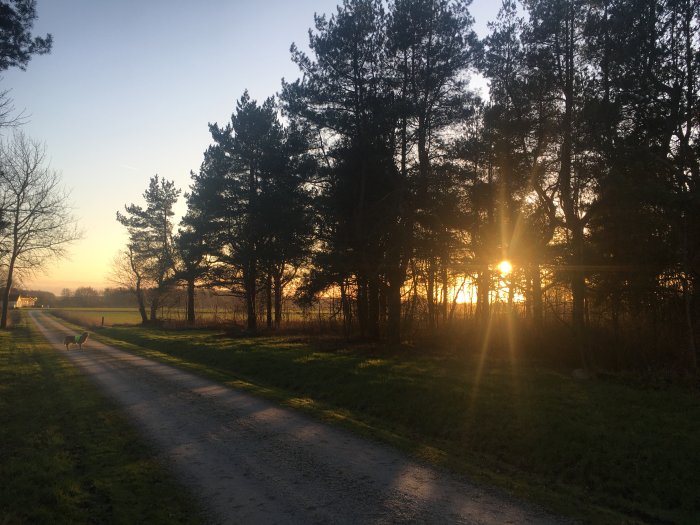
[129, 88]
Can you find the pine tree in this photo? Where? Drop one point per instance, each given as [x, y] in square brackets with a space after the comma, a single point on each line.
[250, 203]
[433, 47]
[345, 96]
[380, 86]
[150, 246]
[17, 45]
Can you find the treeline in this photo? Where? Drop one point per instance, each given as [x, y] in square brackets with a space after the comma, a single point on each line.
[89, 297]
[83, 296]
[171, 305]
[381, 177]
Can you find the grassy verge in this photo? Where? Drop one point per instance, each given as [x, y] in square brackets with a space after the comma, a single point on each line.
[599, 450]
[66, 453]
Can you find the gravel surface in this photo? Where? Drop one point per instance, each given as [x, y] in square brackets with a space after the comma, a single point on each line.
[250, 461]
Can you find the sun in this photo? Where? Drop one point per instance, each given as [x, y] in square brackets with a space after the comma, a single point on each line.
[505, 267]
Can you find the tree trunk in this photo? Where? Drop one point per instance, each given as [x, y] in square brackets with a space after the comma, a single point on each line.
[268, 298]
[373, 306]
[566, 190]
[141, 301]
[250, 281]
[362, 314]
[445, 286]
[423, 159]
[250, 270]
[482, 295]
[537, 311]
[395, 280]
[578, 296]
[347, 310]
[5, 301]
[431, 294]
[6, 294]
[411, 310]
[382, 302]
[155, 303]
[190, 302]
[691, 351]
[278, 299]
[251, 317]
[511, 293]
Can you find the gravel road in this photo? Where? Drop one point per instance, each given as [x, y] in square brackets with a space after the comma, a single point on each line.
[250, 461]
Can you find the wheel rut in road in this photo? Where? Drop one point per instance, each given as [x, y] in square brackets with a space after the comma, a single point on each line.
[251, 461]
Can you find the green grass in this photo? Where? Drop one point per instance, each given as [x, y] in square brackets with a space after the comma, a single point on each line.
[599, 450]
[90, 317]
[67, 455]
[93, 316]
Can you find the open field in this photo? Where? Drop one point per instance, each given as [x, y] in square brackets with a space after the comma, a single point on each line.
[68, 455]
[90, 316]
[597, 449]
[93, 316]
[129, 316]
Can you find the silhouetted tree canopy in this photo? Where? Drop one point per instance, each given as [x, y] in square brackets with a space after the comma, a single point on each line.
[17, 44]
[150, 251]
[40, 222]
[391, 185]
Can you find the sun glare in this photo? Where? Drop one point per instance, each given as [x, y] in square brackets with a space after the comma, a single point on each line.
[505, 267]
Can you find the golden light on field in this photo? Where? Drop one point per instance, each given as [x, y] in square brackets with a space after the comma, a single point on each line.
[505, 267]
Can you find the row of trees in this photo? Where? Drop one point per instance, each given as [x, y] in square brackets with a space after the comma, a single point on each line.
[387, 180]
[248, 225]
[594, 111]
[86, 297]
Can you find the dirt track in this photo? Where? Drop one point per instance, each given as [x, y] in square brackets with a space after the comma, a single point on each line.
[251, 461]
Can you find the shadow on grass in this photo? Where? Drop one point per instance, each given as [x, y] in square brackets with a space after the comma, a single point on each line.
[70, 455]
[605, 451]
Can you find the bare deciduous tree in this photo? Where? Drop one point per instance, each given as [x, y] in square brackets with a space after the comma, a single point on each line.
[128, 273]
[39, 222]
[9, 117]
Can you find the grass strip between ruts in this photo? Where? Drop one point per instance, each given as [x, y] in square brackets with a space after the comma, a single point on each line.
[67, 453]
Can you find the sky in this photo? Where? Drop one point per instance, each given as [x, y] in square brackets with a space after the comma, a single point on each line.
[128, 90]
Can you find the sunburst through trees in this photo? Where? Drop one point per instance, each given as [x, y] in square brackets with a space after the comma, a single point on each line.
[394, 195]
